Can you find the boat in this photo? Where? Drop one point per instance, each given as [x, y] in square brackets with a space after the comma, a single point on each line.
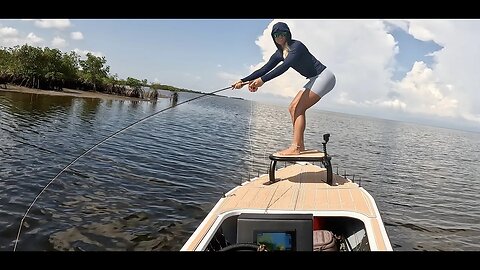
[301, 207]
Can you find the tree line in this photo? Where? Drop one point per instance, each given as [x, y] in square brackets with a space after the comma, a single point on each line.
[52, 69]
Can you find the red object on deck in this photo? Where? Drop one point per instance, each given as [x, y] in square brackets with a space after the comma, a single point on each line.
[318, 223]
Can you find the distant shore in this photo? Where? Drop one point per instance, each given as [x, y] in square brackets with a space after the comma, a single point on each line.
[71, 93]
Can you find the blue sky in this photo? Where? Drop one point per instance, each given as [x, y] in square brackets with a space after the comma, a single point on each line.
[409, 70]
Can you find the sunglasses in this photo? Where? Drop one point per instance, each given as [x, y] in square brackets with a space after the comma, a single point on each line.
[277, 34]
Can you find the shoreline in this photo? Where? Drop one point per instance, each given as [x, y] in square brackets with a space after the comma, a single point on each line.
[70, 93]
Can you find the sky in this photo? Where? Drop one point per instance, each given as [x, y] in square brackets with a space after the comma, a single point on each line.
[422, 70]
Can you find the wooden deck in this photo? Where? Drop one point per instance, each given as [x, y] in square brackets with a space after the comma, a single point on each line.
[299, 188]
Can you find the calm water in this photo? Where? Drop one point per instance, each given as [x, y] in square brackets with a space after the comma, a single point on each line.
[149, 187]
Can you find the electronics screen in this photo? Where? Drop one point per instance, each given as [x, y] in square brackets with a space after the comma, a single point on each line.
[276, 240]
[280, 231]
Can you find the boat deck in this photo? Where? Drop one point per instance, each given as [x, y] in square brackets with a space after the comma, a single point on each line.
[299, 188]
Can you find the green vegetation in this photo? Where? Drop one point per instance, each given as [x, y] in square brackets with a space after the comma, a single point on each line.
[51, 69]
[171, 88]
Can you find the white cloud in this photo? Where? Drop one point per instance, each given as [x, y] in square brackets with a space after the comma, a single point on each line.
[59, 42]
[83, 53]
[393, 104]
[6, 32]
[431, 29]
[10, 37]
[51, 23]
[471, 117]
[33, 39]
[425, 93]
[456, 65]
[402, 24]
[76, 35]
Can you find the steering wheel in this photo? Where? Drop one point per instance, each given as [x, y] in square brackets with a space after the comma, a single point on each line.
[244, 247]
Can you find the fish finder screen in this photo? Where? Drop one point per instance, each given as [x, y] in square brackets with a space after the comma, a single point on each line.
[276, 240]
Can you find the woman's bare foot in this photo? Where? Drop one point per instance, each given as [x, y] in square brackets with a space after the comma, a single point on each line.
[292, 150]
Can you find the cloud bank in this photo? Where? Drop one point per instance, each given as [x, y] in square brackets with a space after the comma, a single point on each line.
[362, 54]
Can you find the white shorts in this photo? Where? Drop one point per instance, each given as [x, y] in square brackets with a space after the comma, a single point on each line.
[322, 83]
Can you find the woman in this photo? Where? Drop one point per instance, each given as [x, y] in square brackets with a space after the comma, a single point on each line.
[294, 54]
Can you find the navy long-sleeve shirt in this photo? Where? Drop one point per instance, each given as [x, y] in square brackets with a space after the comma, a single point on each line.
[299, 58]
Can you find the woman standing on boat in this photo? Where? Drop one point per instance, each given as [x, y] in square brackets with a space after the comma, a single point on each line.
[294, 54]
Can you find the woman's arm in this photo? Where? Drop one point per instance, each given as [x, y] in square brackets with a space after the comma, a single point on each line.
[272, 62]
[293, 54]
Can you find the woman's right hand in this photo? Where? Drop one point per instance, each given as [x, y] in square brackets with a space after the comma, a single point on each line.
[237, 85]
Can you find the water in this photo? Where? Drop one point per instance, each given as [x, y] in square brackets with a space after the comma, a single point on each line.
[149, 187]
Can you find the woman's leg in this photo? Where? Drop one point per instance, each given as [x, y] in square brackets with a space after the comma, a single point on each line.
[293, 105]
[304, 100]
[315, 89]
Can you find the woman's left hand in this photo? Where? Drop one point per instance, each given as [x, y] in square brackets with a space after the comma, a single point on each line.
[255, 84]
